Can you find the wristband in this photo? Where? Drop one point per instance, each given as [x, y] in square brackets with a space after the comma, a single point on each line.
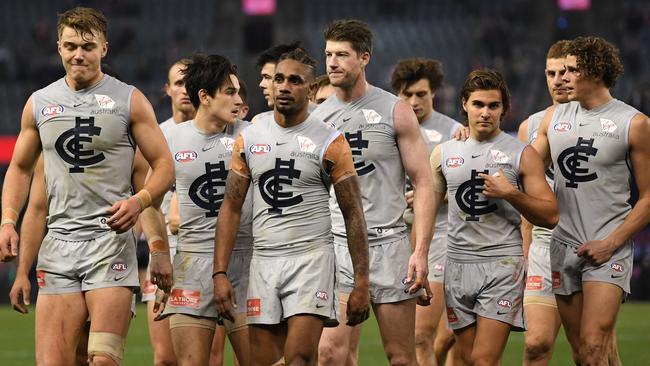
[9, 216]
[144, 199]
[219, 273]
[157, 245]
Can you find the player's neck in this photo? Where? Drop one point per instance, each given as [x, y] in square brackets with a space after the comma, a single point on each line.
[290, 120]
[484, 136]
[83, 85]
[179, 116]
[426, 117]
[596, 98]
[356, 91]
[208, 124]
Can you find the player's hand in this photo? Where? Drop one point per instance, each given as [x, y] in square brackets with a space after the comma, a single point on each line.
[497, 185]
[461, 134]
[418, 271]
[8, 243]
[409, 198]
[597, 251]
[160, 271]
[224, 297]
[425, 298]
[124, 214]
[159, 304]
[20, 291]
[358, 309]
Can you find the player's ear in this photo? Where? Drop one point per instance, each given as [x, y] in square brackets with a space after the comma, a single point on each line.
[365, 58]
[104, 49]
[464, 104]
[204, 97]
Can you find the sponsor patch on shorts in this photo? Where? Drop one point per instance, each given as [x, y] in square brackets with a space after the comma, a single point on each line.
[556, 279]
[253, 307]
[451, 315]
[534, 283]
[40, 278]
[185, 298]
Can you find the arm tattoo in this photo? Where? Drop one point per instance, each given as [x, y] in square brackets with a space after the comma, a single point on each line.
[348, 196]
[236, 187]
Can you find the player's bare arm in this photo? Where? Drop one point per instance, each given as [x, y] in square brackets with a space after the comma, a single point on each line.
[338, 164]
[413, 151]
[151, 143]
[173, 216]
[541, 141]
[526, 226]
[600, 251]
[537, 204]
[32, 233]
[16, 182]
[227, 228]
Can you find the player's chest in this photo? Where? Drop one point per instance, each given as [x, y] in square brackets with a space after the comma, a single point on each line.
[202, 158]
[465, 165]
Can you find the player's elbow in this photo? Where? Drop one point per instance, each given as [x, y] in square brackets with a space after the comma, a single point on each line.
[550, 220]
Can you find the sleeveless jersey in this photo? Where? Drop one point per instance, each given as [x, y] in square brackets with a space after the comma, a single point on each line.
[480, 228]
[290, 191]
[592, 181]
[534, 121]
[436, 129]
[202, 163]
[88, 154]
[367, 125]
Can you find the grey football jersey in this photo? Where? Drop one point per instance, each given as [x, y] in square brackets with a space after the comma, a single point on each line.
[88, 153]
[592, 181]
[290, 200]
[534, 121]
[202, 163]
[436, 129]
[480, 227]
[367, 124]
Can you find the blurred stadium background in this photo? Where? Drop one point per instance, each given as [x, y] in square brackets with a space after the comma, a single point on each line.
[146, 36]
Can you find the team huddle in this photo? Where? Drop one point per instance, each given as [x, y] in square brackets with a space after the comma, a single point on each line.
[283, 232]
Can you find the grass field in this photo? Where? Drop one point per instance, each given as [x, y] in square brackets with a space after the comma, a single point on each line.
[17, 344]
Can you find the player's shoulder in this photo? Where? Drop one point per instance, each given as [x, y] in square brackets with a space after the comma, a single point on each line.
[54, 87]
[263, 116]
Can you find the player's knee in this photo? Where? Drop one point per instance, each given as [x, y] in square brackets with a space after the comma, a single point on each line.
[330, 353]
[105, 349]
[537, 347]
[592, 349]
[168, 361]
[399, 357]
[424, 336]
[479, 358]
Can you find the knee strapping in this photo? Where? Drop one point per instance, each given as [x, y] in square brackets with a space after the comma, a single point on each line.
[106, 344]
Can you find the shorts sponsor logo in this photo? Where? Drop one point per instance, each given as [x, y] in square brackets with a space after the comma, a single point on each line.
[534, 283]
[499, 157]
[253, 307]
[40, 278]
[306, 144]
[607, 125]
[259, 149]
[52, 110]
[148, 288]
[451, 315]
[185, 156]
[321, 295]
[454, 162]
[186, 298]
[562, 127]
[119, 266]
[371, 116]
[556, 279]
[104, 101]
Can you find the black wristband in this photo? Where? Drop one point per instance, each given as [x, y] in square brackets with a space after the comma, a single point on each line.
[218, 273]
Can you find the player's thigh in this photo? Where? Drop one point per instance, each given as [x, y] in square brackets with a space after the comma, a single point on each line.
[490, 340]
[601, 303]
[400, 338]
[342, 338]
[426, 317]
[239, 340]
[192, 344]
[465, 341]
[110, 309]
[570, 309]
[303, 333]
[267, 343]
[159, 334]
[543, 323]
[59, 321]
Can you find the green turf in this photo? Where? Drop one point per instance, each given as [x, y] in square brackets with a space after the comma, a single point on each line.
[17, 340]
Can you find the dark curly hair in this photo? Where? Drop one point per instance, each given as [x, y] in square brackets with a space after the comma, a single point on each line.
[597, 59]
[209, 72]
[409, 71]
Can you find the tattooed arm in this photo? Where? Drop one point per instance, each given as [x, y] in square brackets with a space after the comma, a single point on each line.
[339, 165]
[227, 229]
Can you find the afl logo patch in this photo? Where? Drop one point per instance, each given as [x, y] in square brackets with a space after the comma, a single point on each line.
[455, 162]
[52, 110]
[322, 295]
[505, 303]
[259, 149]
[617, 267]
[562, 127]
[185, 156]
[119, 266]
